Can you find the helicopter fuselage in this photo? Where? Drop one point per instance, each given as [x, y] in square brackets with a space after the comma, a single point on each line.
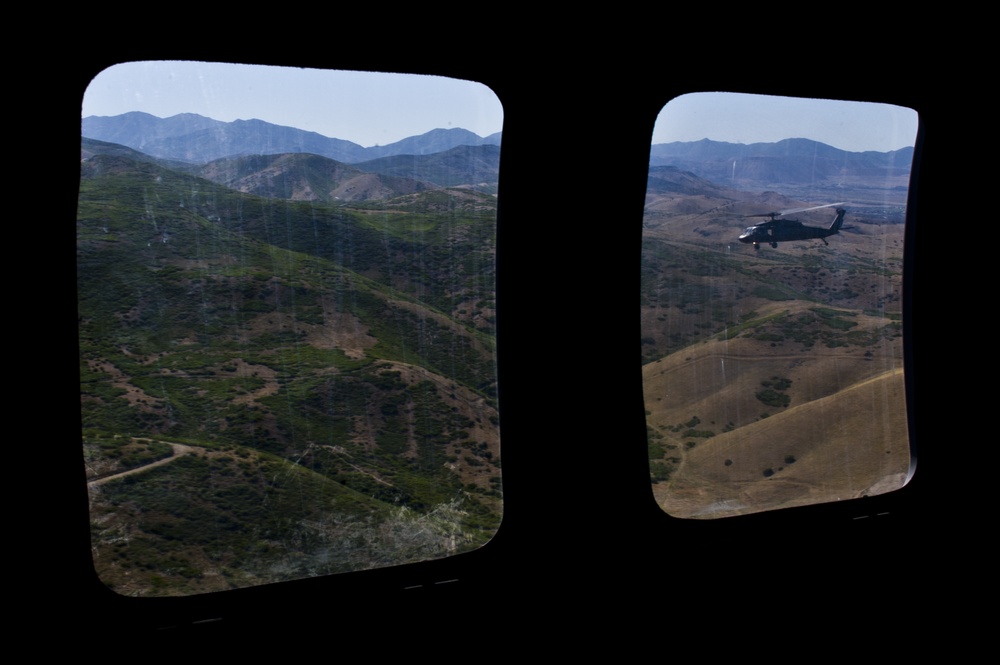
[786, 230]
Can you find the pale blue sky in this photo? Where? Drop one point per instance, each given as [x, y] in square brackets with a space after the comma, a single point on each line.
[378, 108]
[742, 118]
[364, 107]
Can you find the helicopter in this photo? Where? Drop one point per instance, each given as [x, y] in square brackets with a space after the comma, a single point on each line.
[785, 230]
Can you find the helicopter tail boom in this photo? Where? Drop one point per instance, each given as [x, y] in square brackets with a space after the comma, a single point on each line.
[839, 221]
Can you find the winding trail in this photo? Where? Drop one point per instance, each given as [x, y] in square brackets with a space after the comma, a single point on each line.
[179, 451]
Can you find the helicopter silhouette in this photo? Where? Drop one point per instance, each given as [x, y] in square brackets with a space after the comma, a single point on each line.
[786, 230]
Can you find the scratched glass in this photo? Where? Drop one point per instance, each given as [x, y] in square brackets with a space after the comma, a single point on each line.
[286, 338]
[772, 303]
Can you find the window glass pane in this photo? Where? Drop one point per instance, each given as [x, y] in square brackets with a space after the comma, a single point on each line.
[771, 302]
[286, 303]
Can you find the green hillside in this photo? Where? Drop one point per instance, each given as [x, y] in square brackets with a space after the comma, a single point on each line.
[331, 370]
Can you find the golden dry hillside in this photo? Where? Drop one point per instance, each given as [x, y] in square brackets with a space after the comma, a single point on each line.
[772, 377]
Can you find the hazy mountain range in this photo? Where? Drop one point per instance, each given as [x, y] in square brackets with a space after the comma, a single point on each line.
[310, 177]
[791, 161]
[189, 138]
[193, 138]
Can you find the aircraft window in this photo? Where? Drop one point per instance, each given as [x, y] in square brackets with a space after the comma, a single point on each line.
[286, 294]
[771, 302]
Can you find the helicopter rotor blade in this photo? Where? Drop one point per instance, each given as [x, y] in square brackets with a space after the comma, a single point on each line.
[825, 205]
[772, 215]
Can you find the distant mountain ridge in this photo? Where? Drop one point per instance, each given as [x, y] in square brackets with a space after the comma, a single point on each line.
[789, 161]
[311, 177]
[193, 138]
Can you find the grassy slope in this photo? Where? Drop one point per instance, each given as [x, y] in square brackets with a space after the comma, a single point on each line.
[325, 367]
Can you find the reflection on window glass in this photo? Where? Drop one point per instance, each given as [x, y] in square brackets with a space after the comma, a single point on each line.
[286, 304]
[771, 302]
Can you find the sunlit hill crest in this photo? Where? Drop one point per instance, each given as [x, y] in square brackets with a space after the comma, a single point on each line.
[310, 177]
[306, 177]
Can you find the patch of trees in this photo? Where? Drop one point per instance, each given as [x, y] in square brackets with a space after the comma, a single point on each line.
[773, 393]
